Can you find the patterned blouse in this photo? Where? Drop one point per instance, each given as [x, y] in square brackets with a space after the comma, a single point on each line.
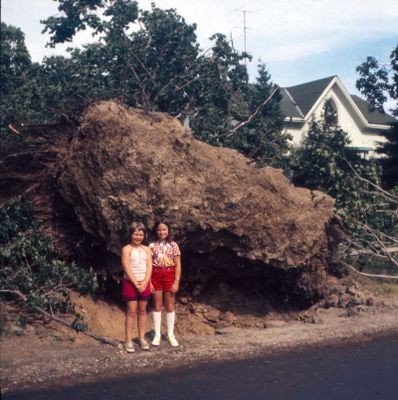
[163, 253]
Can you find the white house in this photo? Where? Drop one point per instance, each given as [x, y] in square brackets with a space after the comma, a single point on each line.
[301, 103]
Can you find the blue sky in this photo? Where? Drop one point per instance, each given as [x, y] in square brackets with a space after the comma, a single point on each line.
[299, 40]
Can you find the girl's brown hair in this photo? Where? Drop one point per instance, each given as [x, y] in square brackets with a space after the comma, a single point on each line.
[137, 226]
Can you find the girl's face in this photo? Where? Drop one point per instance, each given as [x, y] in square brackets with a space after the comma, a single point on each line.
[162, 231]
[137, 237]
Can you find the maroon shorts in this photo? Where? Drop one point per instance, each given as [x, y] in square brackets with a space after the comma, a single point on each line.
[163, 278]
[130, 292]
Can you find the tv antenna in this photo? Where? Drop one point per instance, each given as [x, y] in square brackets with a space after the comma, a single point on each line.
[245, 29]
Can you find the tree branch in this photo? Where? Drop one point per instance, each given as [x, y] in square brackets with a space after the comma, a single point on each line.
[370, 275]
[24, 298]
[379, 189]
[254, 115]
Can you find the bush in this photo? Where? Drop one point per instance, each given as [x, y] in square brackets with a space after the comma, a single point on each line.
[29, 265]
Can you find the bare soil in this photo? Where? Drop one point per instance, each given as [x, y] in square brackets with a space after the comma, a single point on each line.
[43, 353]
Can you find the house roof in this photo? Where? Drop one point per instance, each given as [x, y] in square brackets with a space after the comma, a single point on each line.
[306, 94]
[288, 106]
[298, 100]
[375, 116]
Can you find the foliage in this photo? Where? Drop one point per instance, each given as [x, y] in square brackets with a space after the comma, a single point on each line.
[76, 15]
[15, 58]
[160, 67]
[376, 82]
[28, 263]
[321, 161]
[262, 139]
[389, 160]
[14, 68]
[151, 60]
[325, 162]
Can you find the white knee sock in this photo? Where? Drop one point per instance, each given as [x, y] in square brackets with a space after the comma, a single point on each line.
[157, 320]
[170, 318]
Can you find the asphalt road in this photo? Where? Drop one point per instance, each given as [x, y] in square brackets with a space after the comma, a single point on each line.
[354, 372]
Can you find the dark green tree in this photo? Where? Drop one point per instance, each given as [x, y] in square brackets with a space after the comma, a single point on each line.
[15, 59]
[262, 139]
[376, 82]
[325, 162]
[29, 267]
[15, 67]
[389, 162]
[160, 67]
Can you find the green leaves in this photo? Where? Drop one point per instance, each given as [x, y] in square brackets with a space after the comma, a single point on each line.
[29, 265]
[75, 15]
[377, 80]
[151, 60]
[325, 162]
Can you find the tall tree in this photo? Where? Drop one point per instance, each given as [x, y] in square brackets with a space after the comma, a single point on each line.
[15, 66]
[160, 67]
[376, 82]
[151, 60]
[325, 162]
[262, 138]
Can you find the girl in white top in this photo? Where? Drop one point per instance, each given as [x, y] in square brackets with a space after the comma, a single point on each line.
[137, 265]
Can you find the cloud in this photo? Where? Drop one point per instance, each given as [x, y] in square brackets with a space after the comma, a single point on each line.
[289, 29]
[278, 30]
[294, 51]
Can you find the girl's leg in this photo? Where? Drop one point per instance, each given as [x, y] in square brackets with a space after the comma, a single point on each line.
[157, 315]
[158, 300]
[169, 298]
[130, 316]
[142, 317]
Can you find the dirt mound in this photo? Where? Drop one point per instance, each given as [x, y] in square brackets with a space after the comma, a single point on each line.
[226, 214]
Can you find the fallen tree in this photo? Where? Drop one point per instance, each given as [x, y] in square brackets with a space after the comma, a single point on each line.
[227, 215]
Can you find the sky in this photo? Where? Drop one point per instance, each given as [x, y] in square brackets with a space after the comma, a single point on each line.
[298, 40]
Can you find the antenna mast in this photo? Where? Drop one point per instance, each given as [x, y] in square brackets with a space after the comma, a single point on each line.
[245, 29]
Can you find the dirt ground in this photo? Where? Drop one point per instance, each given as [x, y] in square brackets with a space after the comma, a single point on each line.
[45, 353]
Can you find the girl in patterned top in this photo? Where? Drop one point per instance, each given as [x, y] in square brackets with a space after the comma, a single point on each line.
[137, 265]
[165, 281]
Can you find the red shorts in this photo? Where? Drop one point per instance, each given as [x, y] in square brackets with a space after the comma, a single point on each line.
[163, 278]
[130, 292]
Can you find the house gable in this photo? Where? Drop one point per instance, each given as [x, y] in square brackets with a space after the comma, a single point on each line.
[301, 103]
[307, 94]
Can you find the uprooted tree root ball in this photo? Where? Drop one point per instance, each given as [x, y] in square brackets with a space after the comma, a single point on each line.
[240, 227]
[227, 215]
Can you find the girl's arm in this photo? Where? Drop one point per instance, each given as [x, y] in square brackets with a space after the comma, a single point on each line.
[148, 272]
[176, 284]
[125, 259]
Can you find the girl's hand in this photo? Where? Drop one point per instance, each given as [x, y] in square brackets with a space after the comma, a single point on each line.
[140, 287]
[174, 287]
[152, 288]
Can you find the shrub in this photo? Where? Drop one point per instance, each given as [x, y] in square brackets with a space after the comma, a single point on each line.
[29, 265]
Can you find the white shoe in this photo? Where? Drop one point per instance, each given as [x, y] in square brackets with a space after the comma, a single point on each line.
[144, 344]
[173, 341]
[156, 341]
[129, 347]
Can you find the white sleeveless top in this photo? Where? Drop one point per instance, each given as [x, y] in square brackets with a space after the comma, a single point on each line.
[138, 258]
